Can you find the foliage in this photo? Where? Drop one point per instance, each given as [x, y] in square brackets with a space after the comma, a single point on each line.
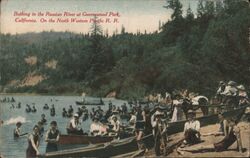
[191, 51]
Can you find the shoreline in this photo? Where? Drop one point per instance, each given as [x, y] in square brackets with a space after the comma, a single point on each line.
[46, 94]
[231, 152]
[38, 94]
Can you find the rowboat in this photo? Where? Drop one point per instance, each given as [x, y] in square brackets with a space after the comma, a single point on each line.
[128, 145]
[89, 103]
[82, 139]
[99, 150]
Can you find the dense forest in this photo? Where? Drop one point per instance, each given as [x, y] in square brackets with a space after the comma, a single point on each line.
[190, 51]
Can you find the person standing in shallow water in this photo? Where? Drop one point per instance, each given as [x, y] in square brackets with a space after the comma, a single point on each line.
[17, 131]
[52, 137]
[33, 143]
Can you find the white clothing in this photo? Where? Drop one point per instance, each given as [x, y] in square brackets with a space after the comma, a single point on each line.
[97, 128]
[132, 119]
[116, 126]
[243, 94]
[230, 91]
[195, 100]
[192, 125]
[74, 124]
[178, 113]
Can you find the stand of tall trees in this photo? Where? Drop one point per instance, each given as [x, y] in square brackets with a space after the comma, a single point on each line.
[193, 50]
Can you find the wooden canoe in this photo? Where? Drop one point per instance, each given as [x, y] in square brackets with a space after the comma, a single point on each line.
[82, 139]
[89, 103]
[130, 144]
[99, 150]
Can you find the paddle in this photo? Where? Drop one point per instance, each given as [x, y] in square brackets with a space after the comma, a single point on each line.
[23, 134]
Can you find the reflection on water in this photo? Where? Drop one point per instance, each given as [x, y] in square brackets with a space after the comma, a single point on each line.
[17, 148]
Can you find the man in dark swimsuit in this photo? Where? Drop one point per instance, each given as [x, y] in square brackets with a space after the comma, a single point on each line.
[17, 131]
[43, 119]
[33, 143]
[52, 137]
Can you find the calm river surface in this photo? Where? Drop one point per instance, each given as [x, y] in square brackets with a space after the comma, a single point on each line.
[17, 148]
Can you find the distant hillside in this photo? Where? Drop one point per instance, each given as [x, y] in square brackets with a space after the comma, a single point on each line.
[190, 52]
[34, 38]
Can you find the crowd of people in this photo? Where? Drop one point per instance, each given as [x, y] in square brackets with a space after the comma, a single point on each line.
[7, 99]
[142, 120]
[232, 94]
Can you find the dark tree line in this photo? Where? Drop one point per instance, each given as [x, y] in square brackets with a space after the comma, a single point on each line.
[193, 50]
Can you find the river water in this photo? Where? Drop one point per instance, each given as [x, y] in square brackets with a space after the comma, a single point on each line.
[17, 148]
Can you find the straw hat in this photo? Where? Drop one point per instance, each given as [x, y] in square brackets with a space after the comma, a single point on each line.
[241, 87]
[158, 113]
[191, 112]
[76, 115]
[232, 83]
[222, 83]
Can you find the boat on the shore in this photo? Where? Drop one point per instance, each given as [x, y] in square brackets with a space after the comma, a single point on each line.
[89, 103]
[127, 145]
[99, 150]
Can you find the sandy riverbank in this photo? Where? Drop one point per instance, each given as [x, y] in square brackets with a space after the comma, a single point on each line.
[231, 152]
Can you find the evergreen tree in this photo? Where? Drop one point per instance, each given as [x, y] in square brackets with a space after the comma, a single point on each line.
[200, 8]
[176, 6]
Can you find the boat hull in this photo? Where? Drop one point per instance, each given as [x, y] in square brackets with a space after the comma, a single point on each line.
[130, 144]
[88, 103]
[82, 139]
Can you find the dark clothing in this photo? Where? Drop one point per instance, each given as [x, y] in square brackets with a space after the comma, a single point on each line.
[191, 137]
[52, 146]
[148, 126]
[43, 121]
[31, 152]
[52, 112]
[225, 143]
[16, 135]
[159, 138]
[64, 114]
[140, 123]
[71, 110]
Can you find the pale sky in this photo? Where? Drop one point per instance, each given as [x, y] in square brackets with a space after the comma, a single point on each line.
[134, 14]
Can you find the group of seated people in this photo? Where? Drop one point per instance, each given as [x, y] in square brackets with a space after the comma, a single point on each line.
[228, 92]
[228, 129]
[138, 121]
[96, 127]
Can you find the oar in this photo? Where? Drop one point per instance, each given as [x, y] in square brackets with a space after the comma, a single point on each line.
[23, 134]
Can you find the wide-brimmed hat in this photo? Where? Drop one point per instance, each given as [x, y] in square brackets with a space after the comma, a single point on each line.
[76, 115]
[241, 87]
[113, 117]
[95, 118]
[232, 83]
[115, 112]
[191, 112]
[53, 123]
[158, 113]
[222, 82]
